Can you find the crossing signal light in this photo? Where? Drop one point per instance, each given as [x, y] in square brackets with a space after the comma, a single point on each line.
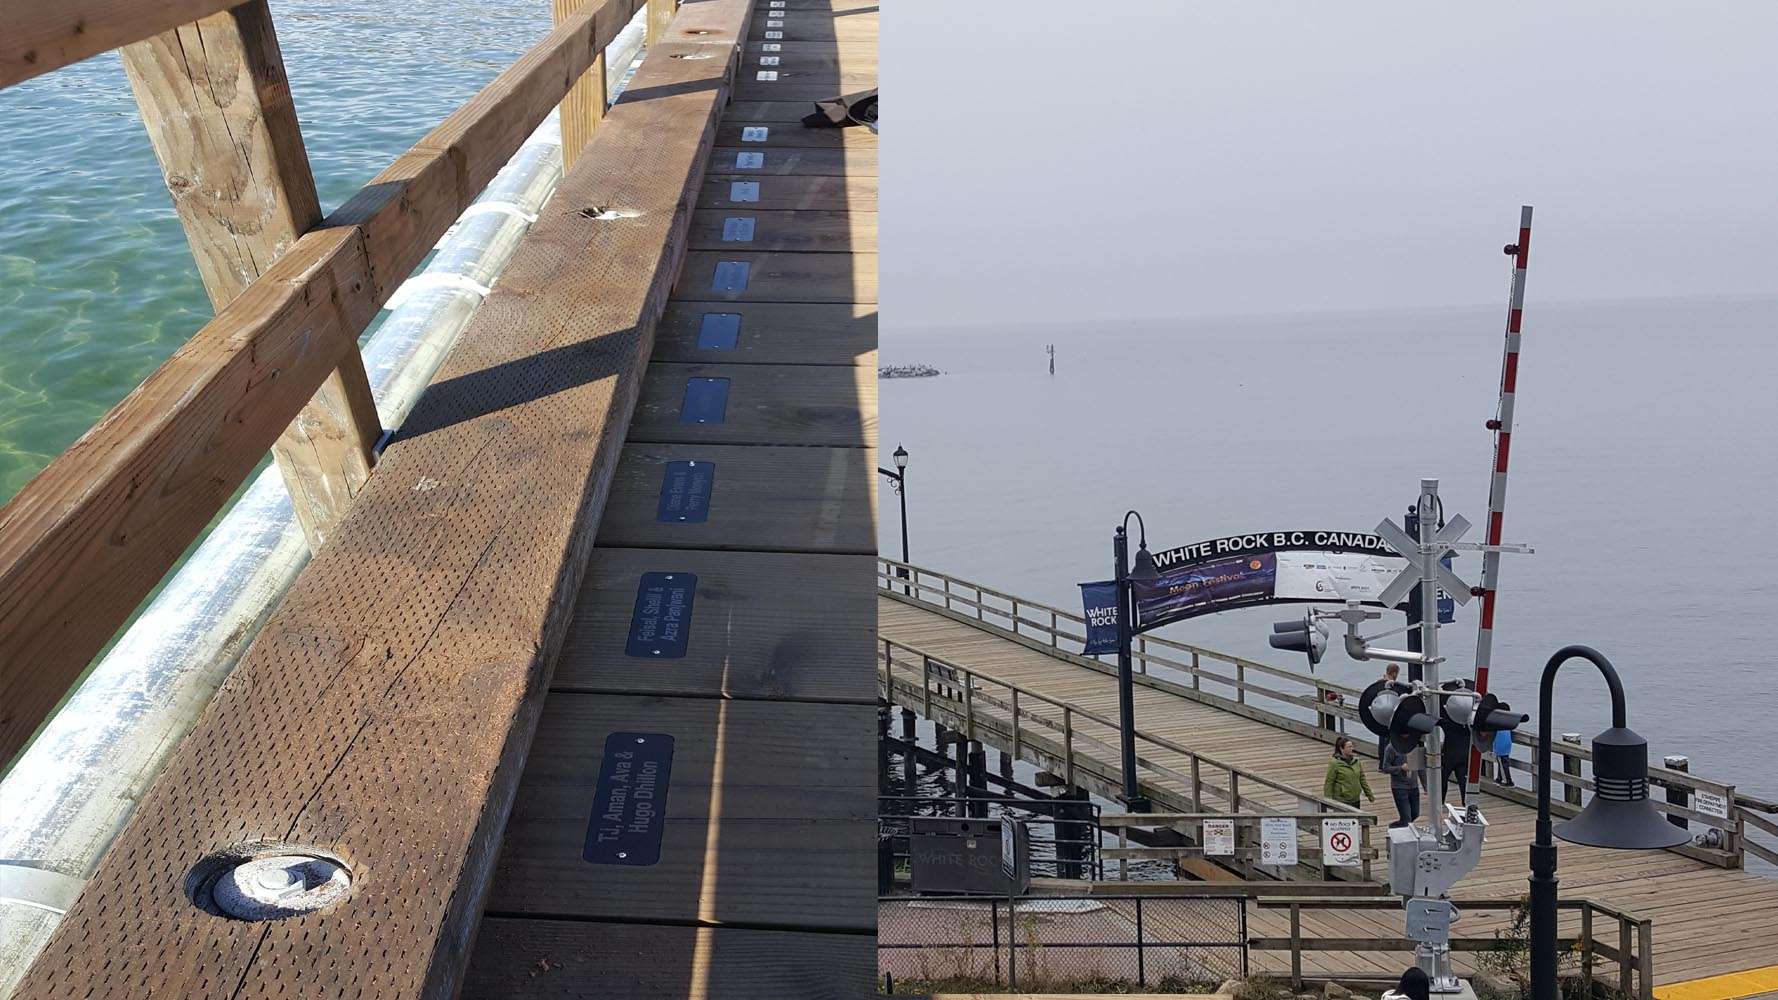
[1303, 635]
[1376, 706]
[1410, 722]
[1493, 715]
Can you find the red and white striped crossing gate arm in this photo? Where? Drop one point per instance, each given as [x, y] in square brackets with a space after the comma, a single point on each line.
[1502, 426]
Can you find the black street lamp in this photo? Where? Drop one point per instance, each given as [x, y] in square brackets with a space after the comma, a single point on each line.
[1619, 816]
[1144, 570]
[898, 480]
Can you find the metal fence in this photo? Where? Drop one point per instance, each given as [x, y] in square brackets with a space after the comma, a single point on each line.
[1063, 942]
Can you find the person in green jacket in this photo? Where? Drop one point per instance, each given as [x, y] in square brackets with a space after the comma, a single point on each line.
[1345, 776]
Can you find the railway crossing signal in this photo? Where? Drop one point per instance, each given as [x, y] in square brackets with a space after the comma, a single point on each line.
[1304, 635]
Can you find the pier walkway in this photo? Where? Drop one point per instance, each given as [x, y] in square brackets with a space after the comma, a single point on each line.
[575, 688]
[957, 652]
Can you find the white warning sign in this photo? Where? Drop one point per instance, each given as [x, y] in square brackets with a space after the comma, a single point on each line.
[1339, 842]
[1219, 837]
[1277, 840]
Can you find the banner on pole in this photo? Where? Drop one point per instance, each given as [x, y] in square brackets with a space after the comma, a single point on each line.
[1219, 837]
[1339, 842]
[1100, 603]
[1264, 568]
[1277, 840]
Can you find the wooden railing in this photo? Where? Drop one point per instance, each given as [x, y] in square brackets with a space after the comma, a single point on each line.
[1628, 944]
[1229, 682]
[278, 367]
[977, 705]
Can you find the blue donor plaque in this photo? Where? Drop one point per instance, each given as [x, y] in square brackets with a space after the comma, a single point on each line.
[630, 803]
[706, 401]
[685, 492]
[719, 331]
[661, 624]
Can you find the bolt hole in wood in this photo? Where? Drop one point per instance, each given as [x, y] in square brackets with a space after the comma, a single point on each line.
[268, 880]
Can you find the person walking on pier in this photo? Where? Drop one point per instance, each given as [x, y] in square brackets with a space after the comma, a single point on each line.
[1404, 784]
[1392, 674]
[1345, 780]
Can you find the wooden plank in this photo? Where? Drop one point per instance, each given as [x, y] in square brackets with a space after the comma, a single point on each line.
[813, 232]
[773, 333]
[775, 111]
[792, 85]
[517, 959]
[797, 135]
[386, 708]
[36, 38]
[834, 194]
[857, 63]
[755, 786]
[767, 404]
[815, 26]
[91, 535]
[784, 499]
[810, 162]
[216, 103]
[781, 277]
[758, 630]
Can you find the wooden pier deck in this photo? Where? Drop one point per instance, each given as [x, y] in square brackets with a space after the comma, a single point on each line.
[1707, 920]
[636, 504]
[766, 880]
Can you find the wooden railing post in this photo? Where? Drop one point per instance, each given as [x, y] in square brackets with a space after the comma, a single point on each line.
[1586, 944]
[1068, 745]
[1017, 743]
[660, 14]
[1197, 785]
[968, 704]
[1296, 946]
[217, 107]
[1241, 682]
[1624, 967]
[1645, 960]
[1197, 685]
[584, 106]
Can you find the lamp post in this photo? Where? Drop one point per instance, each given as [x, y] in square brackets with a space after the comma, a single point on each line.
[1144, 569]
[898, 480]
[1619, 817]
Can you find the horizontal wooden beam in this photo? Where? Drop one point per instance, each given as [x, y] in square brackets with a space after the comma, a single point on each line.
[91, 536]
[384, 713]
[36, 38]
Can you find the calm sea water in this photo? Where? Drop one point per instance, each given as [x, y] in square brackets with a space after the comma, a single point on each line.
[1644, 472]
[97, 286]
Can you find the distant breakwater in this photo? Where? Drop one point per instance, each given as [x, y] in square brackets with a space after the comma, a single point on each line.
[907, 371]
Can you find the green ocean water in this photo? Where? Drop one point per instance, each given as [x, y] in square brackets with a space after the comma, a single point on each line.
[97, 284]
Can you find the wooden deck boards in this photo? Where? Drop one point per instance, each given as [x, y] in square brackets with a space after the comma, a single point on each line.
[1707, 920]
[765, 878]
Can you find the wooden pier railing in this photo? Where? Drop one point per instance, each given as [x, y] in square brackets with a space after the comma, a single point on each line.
[1032, 726]
[1292, 699]
[1625, 940]
[277, 369]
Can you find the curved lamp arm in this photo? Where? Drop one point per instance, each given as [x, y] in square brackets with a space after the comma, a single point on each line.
[1546, 702]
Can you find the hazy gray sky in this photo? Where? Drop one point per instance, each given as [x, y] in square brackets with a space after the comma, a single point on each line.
[1049, 160]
